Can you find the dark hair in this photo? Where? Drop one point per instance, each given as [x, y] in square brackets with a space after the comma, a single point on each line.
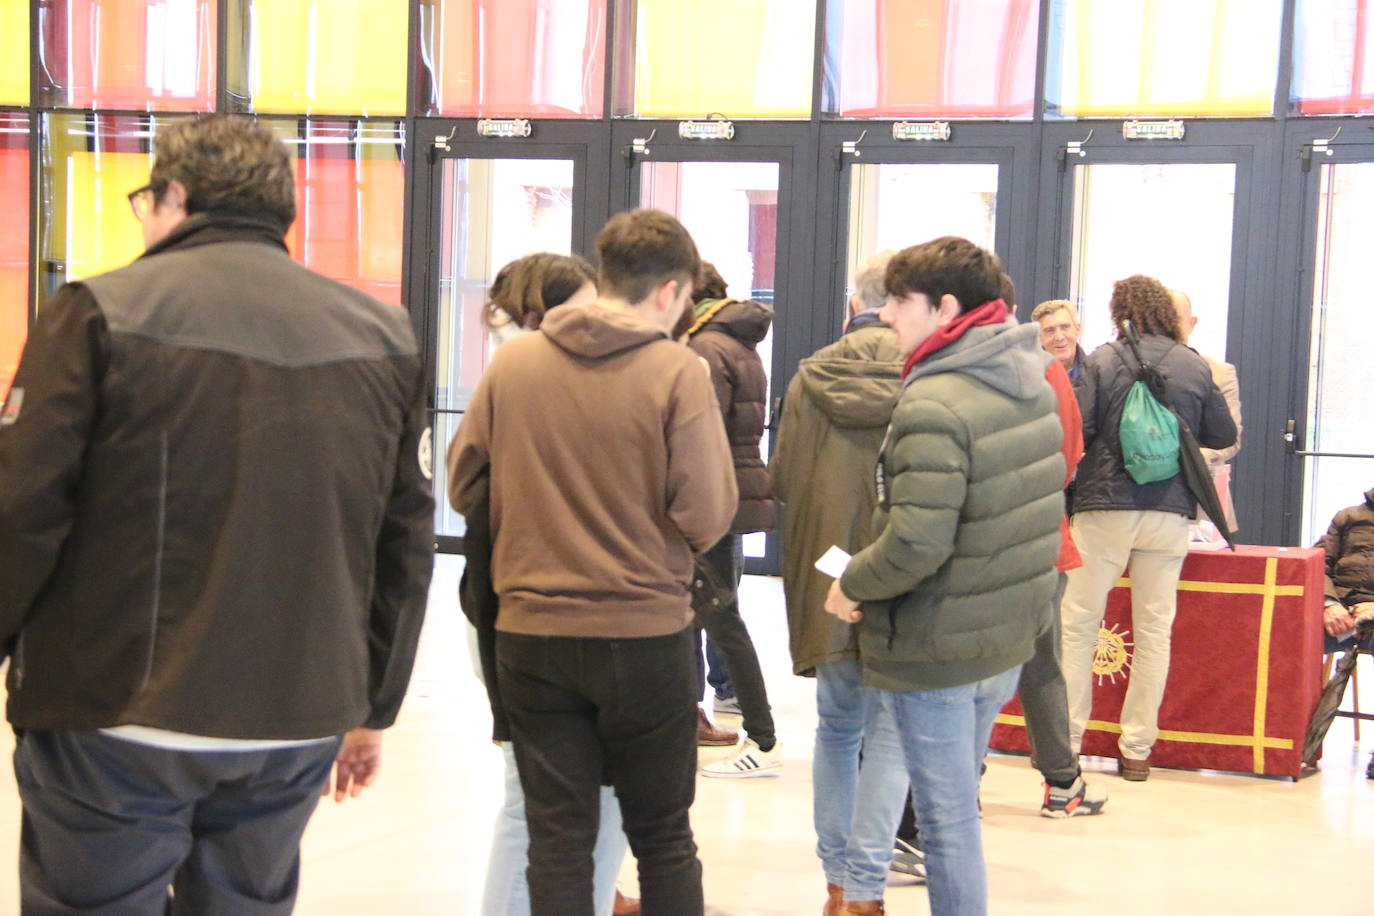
[1007, 292]
[640, 250]
[1145, 303]
[227, 163]
[528, 287]
[945, 266]
[709, 284]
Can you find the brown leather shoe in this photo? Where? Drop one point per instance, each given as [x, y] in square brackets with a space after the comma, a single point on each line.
[710, 736]
[863, 908]
[835, 900]
[1133, 770]
[625, 906]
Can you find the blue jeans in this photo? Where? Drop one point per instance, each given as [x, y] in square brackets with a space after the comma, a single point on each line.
[945, 736]
[856, 807]
[507, 893]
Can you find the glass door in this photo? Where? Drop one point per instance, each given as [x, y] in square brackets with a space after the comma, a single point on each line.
[737, 200]
[490, 203]
[1332, 438]
[1179, 211]
[892, 194]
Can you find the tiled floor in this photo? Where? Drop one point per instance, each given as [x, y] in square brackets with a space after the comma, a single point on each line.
[1184, 842]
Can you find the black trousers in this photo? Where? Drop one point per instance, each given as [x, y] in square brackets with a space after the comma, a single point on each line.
[731, 638]
[111, 826]
[584, 711]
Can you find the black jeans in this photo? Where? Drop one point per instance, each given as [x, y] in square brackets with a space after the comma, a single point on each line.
[588, 711]
[111, 826]
[731, 638]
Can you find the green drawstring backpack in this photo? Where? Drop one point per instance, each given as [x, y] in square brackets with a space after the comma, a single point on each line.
[1148, 430]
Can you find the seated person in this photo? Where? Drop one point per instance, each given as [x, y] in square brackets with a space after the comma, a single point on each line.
[1349, 546]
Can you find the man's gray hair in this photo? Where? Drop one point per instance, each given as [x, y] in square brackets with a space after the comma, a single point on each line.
[868, 282]
[1054, 305]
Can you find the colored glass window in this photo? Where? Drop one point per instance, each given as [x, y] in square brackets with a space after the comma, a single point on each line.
[14, 243]
[89, 163]
[1123, 58]
[350, 183]
[14, 52]
[1332, 70]
[744, 60]
[931, 58]
[318, 57]
[153, 55]
[515, 58]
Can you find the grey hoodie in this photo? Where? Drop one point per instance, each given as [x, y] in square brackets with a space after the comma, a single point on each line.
[958, 581]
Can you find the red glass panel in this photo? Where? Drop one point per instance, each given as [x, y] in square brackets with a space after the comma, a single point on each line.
[140, 55]
[14, 243]
[518, 58]
[350, 185]
[1332, 70]
[932, 58]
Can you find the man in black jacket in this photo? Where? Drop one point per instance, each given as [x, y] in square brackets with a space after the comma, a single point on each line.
[217, 531]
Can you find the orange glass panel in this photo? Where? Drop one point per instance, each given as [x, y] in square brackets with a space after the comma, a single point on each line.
[14, 52]
[1332, 69]
[350, 191]
[90, 163]
[14, 243]
[153, 55]
[932, 58]
[516, 58]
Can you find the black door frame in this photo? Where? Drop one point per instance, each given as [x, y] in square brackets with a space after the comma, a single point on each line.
[790, 144]
[1308, 144]
[438, 140]
[1253, 307]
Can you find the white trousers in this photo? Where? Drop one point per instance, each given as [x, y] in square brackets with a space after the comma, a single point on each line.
[1153, 544]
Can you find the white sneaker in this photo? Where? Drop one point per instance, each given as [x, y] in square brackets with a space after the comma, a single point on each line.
[746, 761]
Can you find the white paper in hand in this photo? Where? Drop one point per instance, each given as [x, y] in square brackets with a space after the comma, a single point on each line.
[833, 562]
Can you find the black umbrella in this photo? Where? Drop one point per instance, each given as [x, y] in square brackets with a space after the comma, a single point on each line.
[1197, 474]
[1330, 700]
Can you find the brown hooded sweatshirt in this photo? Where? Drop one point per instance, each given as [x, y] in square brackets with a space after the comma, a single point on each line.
[609, 466]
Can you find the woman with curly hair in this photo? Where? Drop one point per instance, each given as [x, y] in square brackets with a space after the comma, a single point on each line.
[1117, 521]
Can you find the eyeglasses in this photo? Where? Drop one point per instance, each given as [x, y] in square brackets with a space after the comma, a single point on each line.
[142, 199]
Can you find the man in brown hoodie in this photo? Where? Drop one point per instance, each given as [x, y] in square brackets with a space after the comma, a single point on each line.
[608, 468]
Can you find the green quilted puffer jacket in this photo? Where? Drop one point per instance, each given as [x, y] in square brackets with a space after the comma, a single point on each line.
[960, 578]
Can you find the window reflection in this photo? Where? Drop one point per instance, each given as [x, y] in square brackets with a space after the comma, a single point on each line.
[117, 54]
[1340, 412]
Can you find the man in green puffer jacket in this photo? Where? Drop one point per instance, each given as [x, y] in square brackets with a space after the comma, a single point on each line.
[960, 579]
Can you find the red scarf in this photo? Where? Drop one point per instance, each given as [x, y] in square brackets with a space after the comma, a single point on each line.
[994, 312]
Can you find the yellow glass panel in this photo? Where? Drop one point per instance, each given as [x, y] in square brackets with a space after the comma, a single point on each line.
[90, 164]
[14, 52]
[742, 59]
[1165, 57]
[344, 56]
[102, 233]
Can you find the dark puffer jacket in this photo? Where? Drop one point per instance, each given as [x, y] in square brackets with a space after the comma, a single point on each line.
[727, 335]
[1102, 482]
[1349, 546]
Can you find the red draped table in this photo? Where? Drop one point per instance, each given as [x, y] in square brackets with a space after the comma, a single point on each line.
[1245, 669]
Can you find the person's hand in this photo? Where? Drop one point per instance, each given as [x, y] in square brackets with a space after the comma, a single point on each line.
[1362, 611]
[841, 605]
[1338, 621]
[356, 767]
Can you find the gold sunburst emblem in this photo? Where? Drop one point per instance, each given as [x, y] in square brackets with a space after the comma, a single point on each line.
[1112, 656]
